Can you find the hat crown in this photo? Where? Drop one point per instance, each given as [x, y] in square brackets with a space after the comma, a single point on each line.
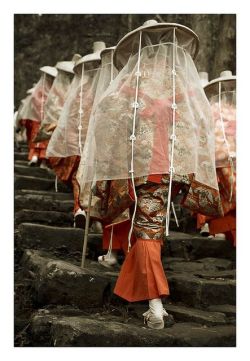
[76, 57]
[98, 46]
[203, 75]
[203, 78]
[150, 22]
[226, 73]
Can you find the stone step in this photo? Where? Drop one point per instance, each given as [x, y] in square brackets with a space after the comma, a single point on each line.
[48, 329]
[216, 275]
[182, 313]
[21, 156]
[21, 162]
[21, 145]
[188, 314]
[209, 264]
[51, 238]
[51, 195]
[29, 182]
[65, 234]
[207, 268]
[192, 247]
[228, 310]
[52, 218]
[34, 171]
[58, 282]
[21, 149]
[201, 292]
[192, 290]
[47, 201]
[43, 263]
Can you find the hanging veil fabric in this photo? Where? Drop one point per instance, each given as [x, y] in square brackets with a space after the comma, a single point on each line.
[221, 93]
[108, 72]
[69, 135]
[55, 100]
[154, 118]
[20, 111]
[34, 108]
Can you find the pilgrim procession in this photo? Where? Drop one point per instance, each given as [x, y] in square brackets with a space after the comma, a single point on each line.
[125, 186]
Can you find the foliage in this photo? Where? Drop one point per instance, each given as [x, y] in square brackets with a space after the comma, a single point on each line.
[45, 39]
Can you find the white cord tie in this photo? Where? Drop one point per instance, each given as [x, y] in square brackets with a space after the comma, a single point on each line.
[110, 242]
[173, 137]
[227, 145]
[56, 184]
[133, 139]
[112, 67]
[175, 216]
[80, 113]
[135, 105]
[42, 101]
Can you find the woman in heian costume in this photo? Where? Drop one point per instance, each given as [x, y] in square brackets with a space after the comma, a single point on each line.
[120, 229]
[32, 114]
[152, 135]
[221, 93]
[56, 98]
[68, 138]
[19, 120]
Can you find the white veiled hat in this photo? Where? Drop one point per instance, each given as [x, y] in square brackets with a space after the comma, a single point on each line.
[66, 66]
[50, 70]
[98, 46]
[226, 78]
[129, 43]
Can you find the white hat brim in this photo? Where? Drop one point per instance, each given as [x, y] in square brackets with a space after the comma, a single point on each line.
[50, 70]
[126, 41]
[208, 88]
[66, 66]
[88, 58]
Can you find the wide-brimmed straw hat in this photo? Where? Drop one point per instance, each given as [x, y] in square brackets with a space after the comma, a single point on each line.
[226, 78]
[98, 46]
[50, 70]
[126, 46]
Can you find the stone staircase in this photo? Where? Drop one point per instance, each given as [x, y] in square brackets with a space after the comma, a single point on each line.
[59, 304]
